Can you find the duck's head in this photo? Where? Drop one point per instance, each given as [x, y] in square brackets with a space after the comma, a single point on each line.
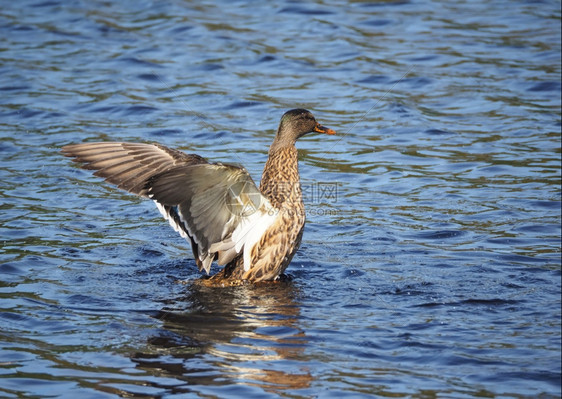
[295, 124]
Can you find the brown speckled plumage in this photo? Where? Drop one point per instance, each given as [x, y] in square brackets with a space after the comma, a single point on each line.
[280, 183]
[217, 208]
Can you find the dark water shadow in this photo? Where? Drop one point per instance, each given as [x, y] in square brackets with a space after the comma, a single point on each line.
[218, 336]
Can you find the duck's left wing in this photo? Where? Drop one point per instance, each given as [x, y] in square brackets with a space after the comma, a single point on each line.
[129, 165]
[218, 206]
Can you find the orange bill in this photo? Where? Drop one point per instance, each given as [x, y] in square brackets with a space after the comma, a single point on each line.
[321, 129]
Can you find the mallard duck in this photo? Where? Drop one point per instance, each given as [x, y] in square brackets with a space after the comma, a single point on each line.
[217, 207]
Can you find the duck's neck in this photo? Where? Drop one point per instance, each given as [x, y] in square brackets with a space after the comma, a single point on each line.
[280, 181]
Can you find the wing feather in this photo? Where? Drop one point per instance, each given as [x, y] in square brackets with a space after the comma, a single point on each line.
[129, 165]
[219, 204]
[217, 207]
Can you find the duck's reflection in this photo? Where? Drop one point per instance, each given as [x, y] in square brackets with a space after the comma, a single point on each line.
[222, 335]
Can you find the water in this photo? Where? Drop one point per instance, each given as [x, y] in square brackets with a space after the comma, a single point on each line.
[430, 264]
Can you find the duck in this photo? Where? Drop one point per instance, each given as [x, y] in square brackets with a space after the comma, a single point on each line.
[253, 232]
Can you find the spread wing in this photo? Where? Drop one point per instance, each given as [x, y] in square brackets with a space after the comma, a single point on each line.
[217, 207]
[129, 165]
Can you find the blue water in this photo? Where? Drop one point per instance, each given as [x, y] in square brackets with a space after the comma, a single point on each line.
[430, 264]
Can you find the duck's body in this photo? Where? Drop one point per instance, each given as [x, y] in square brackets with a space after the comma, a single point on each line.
[254, 233]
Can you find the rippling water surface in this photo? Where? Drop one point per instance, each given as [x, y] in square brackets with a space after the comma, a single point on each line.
[430, 265]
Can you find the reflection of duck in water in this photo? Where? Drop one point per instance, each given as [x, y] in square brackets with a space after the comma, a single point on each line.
[227, 335]
[217, 207]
